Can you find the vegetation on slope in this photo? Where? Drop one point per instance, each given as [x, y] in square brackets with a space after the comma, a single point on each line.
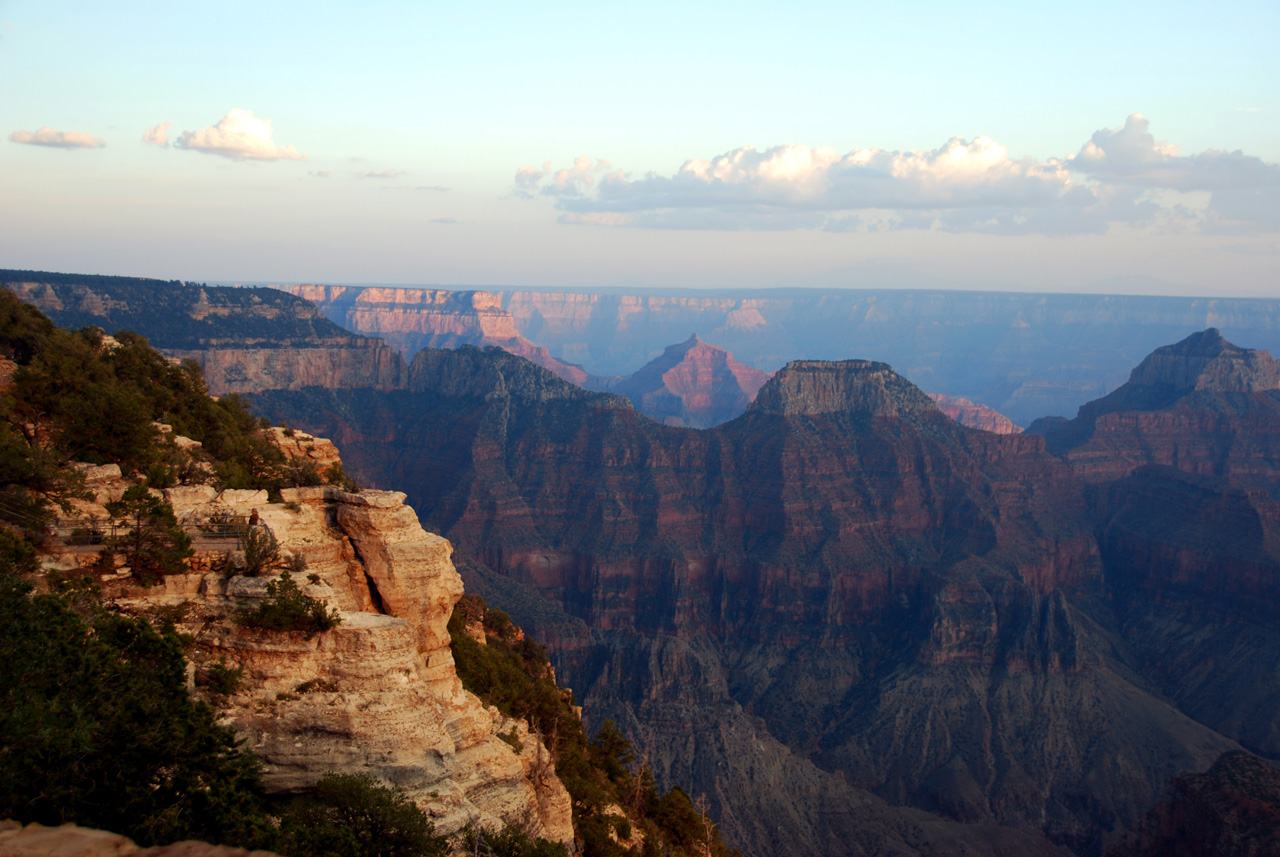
[617, 807]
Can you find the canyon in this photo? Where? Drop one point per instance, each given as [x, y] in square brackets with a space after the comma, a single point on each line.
[855, 625]
[869, 595]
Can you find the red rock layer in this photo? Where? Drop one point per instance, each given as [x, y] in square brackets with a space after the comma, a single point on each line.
[692, 384]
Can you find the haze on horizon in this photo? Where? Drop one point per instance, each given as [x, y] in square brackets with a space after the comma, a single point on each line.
[1109, 148]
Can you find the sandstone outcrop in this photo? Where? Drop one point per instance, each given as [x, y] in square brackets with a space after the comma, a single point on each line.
[840, 583]
[378, 694]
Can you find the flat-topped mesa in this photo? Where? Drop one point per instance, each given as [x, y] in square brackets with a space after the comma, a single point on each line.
[854, 387]
[1206, 361]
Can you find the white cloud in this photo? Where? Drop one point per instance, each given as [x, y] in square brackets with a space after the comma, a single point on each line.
[57, 139]
[320, 174]
[158, 135]
[962, 186]
[240, 136]
[382, 174]
[1131, 155]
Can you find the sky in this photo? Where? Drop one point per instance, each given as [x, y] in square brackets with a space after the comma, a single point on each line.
[1089, 147]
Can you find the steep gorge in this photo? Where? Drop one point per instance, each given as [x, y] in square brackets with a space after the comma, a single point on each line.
[842, 578]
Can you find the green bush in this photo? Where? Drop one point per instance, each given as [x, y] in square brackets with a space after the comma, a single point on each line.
[220, 679]
[261, 551]
[288, 608]
[510, 841]
[97, 727]
[353, 815]
[155, 545]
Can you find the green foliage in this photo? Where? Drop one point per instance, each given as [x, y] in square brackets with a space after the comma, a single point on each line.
[336, 475]
[75, 400]
[510, 841]
[261, 551]
[288, 608]
[356, 816]
[97, 727]
[154, 545]
[220, 679]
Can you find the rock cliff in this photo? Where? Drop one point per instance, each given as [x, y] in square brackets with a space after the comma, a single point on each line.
[1182, 460]
[244, 339]
[692, 384]
[378, 694]
[840, 585]
[410, 320]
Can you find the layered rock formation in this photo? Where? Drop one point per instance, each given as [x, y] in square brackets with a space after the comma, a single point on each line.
[974, 415]
[244, 339]
[839, 599]
[378, 694]
[1183, 461]
[413, 319]
[692, 384]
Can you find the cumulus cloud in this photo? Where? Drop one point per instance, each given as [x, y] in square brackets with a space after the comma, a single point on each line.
[1131, 155]
[1120, 175]
[57, 139]
[158, 135]
[240, 136]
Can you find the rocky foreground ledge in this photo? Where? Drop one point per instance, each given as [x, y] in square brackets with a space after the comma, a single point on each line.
[378, 694]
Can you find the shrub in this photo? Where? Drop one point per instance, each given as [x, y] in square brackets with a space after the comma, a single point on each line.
[97, 727]
[220, 679]
[288, 608]
[261, 551]
[353, 815]
[155, 545]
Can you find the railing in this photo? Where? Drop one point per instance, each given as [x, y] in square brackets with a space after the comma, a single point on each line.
[93, 531]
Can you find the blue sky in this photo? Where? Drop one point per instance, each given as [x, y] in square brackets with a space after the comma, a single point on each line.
[654, 144]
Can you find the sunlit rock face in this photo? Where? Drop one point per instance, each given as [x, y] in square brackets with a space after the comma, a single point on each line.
[377, 694]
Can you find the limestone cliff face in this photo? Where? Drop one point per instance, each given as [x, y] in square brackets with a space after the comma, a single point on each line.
[236, 369]
[378, 694]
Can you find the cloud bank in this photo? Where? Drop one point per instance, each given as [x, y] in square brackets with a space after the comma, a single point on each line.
[239, 136]
[57, 139]
[1119, 176]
